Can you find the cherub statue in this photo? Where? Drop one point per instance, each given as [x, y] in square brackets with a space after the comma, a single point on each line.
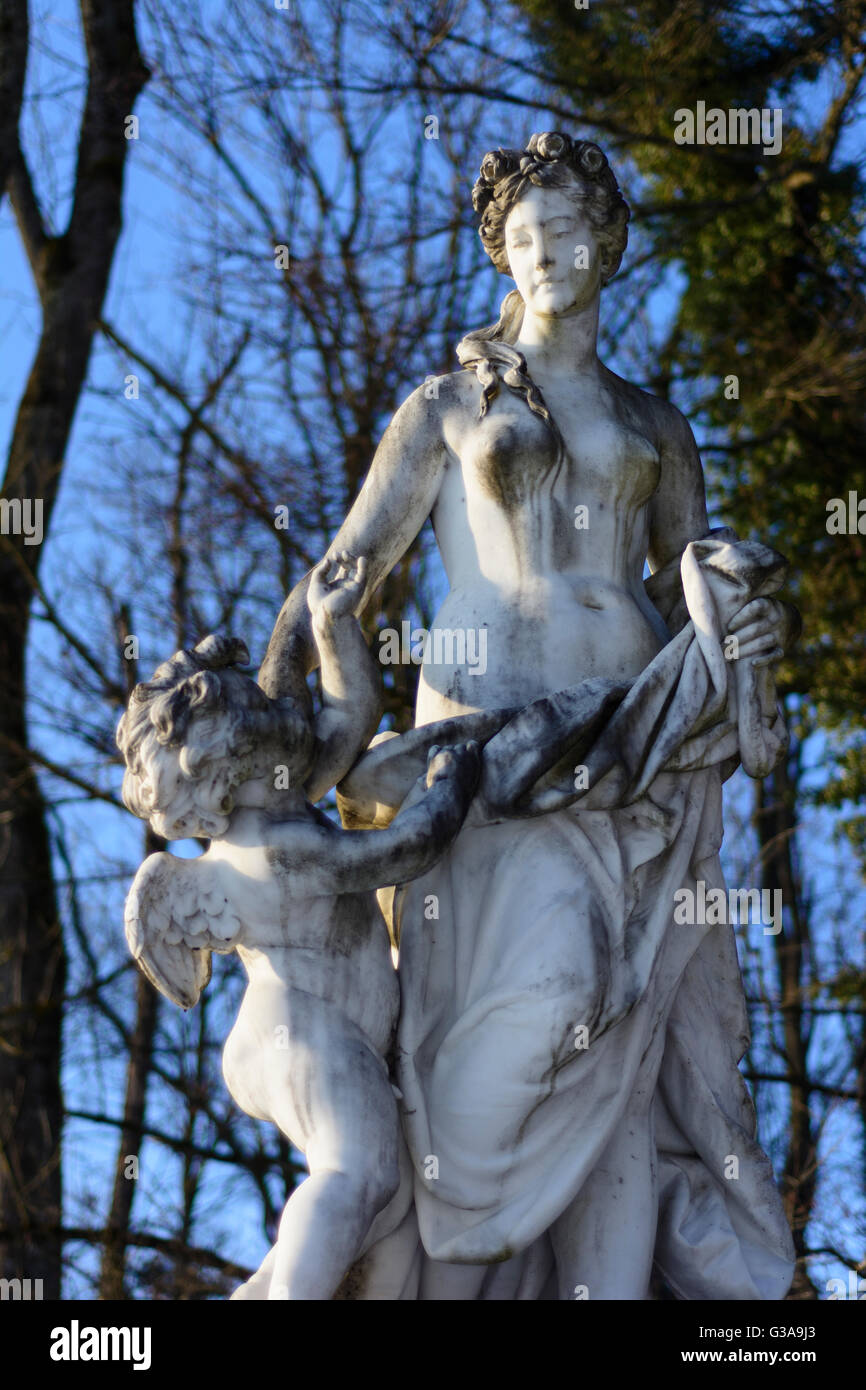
[208, 754]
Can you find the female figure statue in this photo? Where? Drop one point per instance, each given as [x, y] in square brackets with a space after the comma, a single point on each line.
[567, 1050]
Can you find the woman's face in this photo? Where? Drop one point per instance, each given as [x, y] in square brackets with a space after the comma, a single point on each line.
[552, 251]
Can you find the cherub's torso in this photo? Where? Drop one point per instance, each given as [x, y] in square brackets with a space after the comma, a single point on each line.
[334, 948]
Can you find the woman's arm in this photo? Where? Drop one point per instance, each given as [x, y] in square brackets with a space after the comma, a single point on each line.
[392, 506]
[764, 627]
[351, 680]
[678, 510]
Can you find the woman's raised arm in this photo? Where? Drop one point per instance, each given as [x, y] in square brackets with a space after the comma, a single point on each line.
[389, 511]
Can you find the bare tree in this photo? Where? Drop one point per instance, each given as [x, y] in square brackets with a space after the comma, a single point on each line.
[325, 264]
[70, 270]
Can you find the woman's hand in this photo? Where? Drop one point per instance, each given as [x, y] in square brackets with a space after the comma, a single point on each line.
[337, 596]
[764, 629]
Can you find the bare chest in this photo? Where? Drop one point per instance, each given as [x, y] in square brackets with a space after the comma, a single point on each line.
[512, 454]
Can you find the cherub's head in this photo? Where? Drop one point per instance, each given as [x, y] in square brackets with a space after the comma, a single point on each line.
[197, 730]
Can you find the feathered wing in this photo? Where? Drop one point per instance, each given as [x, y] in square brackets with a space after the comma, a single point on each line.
[176, 914]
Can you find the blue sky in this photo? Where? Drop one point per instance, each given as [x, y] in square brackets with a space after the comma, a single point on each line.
[146, 296]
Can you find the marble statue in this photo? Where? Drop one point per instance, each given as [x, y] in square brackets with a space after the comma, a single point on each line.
[565, 1067]
[293, 895]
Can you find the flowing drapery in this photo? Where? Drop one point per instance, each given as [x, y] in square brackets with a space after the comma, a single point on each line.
[544, 977]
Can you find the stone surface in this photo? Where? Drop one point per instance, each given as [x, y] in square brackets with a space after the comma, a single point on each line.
[295, 897]
[569, 1106]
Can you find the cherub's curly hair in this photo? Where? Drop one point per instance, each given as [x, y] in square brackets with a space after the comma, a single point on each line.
[183, 757]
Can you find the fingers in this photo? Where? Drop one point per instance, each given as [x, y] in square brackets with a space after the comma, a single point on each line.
[775, 655]
[759, 629]
[758, 610]
[347, 567]
[453, 753]
[753, 636]
[353, 573]
[763, 625]
[756, 641]
[319, 576]
[762, 648]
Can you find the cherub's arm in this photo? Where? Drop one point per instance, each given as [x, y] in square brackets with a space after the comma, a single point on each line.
[321, 862]
[351, 682]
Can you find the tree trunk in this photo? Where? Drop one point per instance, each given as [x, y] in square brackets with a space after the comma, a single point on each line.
[71, 273]
[775, 821]
[112, 1269]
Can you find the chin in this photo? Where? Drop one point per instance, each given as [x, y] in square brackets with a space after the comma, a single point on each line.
[553, 306]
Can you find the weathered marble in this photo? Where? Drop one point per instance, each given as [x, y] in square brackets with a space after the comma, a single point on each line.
[206, 753]
[566, 1062]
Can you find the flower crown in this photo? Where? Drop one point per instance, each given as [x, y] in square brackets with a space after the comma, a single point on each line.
[583, 156]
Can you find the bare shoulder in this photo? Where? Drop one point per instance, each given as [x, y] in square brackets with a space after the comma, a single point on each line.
[430, 423]
[678, 509]
[659, 420]
[302, 851]
[439, 399]
[303, 834]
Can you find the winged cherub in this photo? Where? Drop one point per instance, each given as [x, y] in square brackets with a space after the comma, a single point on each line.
[207, 755]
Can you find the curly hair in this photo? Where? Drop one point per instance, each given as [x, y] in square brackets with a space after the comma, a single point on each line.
[488, 351]
[552, 160]
[194, 732]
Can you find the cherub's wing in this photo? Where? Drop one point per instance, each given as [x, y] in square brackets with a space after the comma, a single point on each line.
[176, 914]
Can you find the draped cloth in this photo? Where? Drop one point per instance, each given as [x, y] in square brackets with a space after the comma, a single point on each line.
[545, 980]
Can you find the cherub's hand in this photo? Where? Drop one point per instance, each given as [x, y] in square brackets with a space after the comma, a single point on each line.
[334, 596]
[461, 764]
[764, 629]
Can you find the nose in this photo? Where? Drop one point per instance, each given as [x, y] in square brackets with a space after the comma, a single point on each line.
[542, 256]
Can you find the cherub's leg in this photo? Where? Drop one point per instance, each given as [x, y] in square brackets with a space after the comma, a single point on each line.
[351, 1135]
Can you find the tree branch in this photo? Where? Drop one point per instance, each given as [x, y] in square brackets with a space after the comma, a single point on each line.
[31, 226]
